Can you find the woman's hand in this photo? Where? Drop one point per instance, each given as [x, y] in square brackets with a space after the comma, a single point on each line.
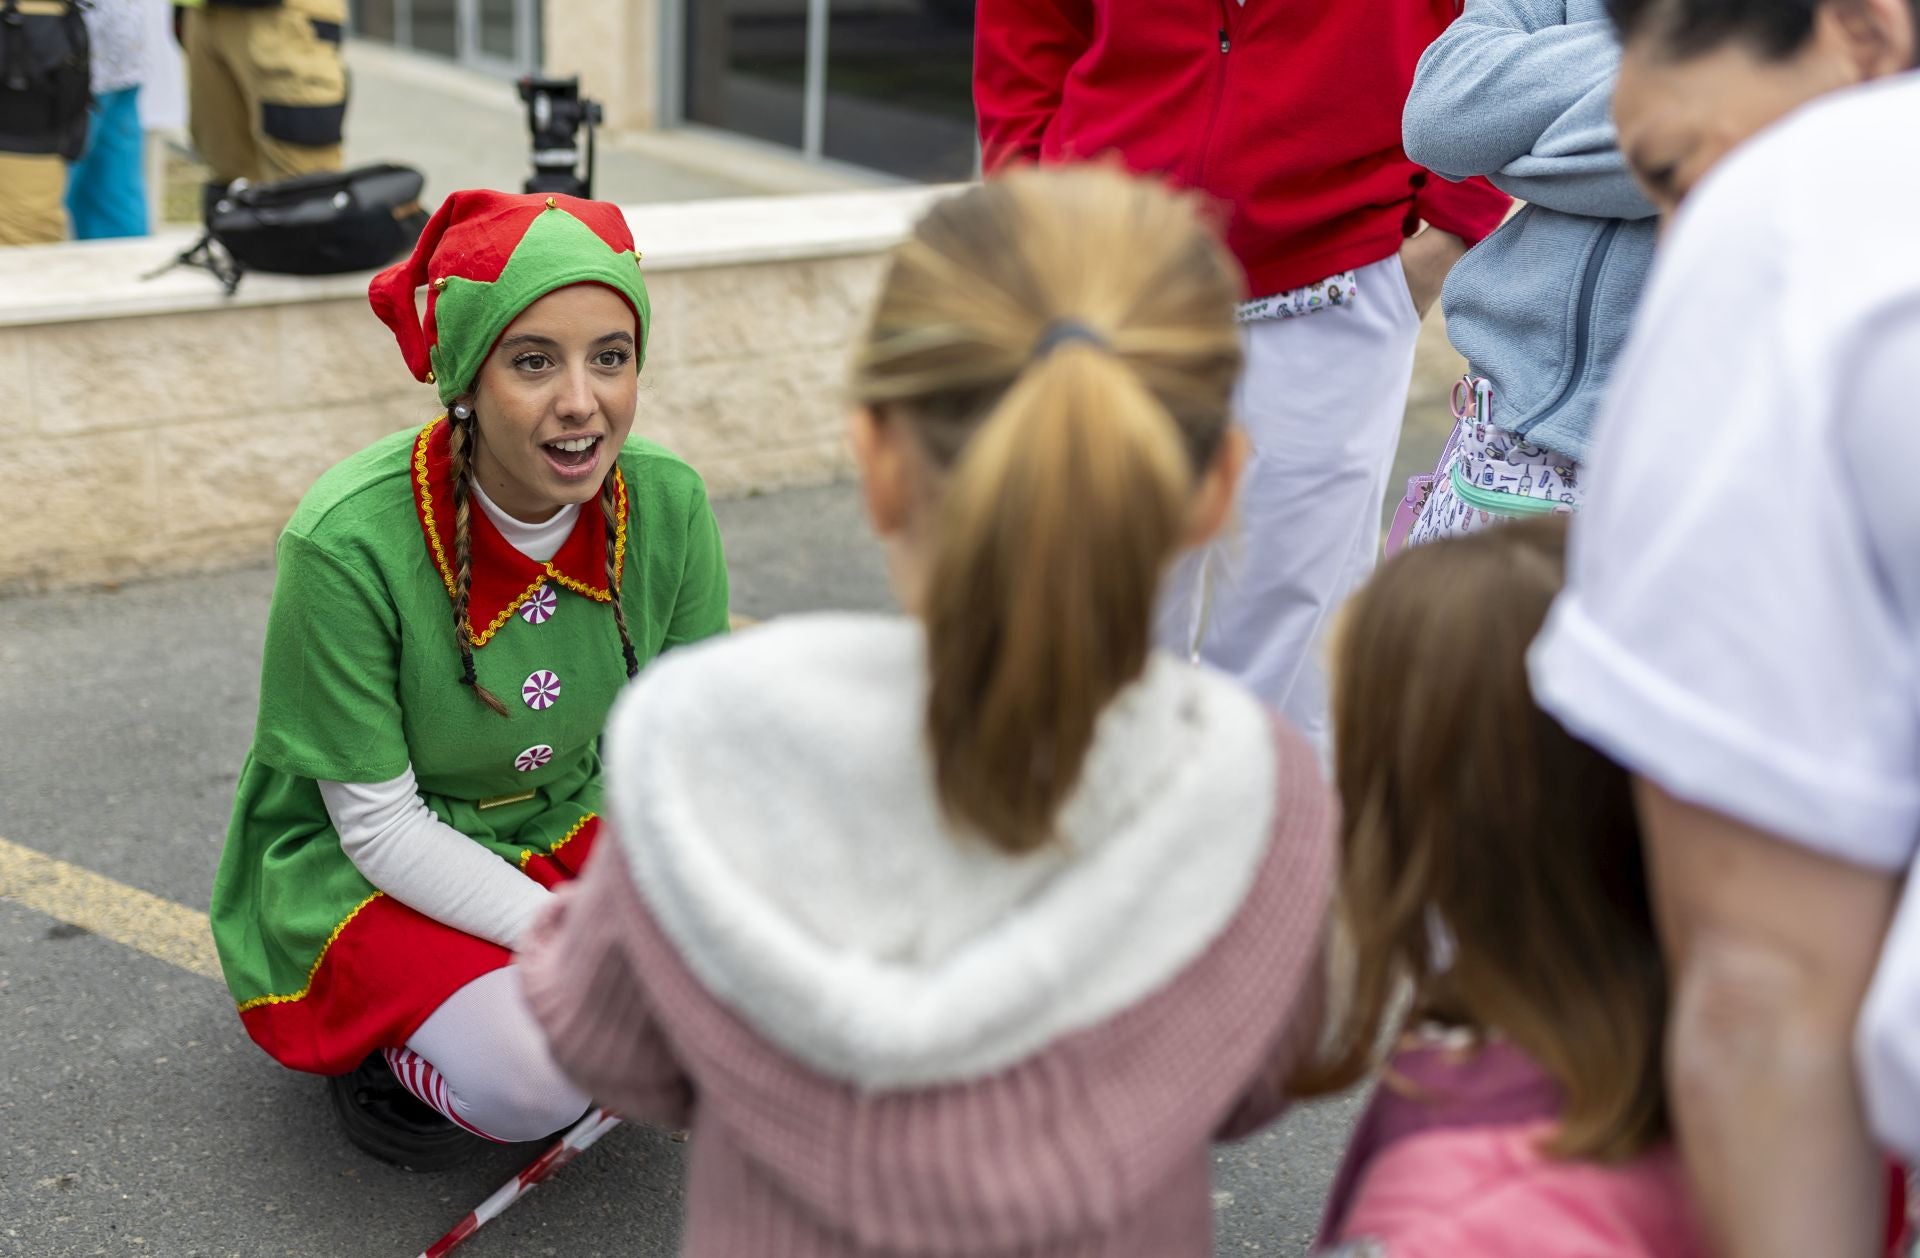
[1426, 258]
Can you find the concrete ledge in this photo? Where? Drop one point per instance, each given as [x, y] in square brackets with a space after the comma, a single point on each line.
[91, 280]
[154, 427]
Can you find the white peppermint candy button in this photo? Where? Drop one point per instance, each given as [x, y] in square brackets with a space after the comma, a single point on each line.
[533, 757]
[540, 605]
[540, 690]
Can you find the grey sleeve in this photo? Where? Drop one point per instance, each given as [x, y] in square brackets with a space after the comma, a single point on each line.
[1513, 91]
[1576, 166]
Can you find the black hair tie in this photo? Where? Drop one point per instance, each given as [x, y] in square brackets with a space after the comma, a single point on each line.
[1060, 332]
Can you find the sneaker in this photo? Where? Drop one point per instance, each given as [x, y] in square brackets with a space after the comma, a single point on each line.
[382, 1118]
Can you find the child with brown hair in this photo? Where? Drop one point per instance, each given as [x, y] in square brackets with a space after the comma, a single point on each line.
[967, 931]
[1491, 865]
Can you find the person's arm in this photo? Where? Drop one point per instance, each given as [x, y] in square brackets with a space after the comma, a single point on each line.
[1511, 92]
[1771, 946]
[393, 838]
[1022, 51]
[1496, 79]
[1266, 1098]
[582, 981]
[1754, 663]
[1468, 211]
[1576, 166]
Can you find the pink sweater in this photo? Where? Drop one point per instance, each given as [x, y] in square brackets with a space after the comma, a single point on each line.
[1449, 1163]
[957, 1139]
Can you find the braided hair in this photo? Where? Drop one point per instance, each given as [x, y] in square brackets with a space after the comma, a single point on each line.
[610, 507]
[462, 467]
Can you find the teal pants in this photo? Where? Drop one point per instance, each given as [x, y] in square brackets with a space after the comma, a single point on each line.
[107, 186]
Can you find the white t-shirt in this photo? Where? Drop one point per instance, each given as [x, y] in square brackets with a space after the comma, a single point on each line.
[1742, 618]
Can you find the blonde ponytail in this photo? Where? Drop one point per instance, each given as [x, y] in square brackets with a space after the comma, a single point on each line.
[1072, 461]
[1053, 533]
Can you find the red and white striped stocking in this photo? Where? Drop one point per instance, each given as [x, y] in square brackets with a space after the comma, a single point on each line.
[418, 1076]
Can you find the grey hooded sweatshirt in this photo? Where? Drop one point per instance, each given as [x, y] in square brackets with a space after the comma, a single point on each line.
[1521, 91]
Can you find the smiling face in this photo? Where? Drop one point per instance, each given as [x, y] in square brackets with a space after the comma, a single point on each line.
[554, 401]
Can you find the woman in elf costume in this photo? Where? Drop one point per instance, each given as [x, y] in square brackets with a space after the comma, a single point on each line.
[454, 612]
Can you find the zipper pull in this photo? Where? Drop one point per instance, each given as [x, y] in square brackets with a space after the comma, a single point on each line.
[1226, 45]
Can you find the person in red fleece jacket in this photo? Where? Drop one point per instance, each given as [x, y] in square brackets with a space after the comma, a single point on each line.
[1288, 113]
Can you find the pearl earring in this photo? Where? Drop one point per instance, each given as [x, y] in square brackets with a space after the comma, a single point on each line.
[462, 412]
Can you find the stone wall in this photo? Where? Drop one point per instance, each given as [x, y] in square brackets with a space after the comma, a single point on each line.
[614, 46]
[157, 427]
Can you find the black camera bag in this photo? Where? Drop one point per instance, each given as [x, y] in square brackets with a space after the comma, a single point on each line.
[324, 224]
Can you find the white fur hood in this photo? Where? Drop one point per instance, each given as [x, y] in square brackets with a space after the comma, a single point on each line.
[774, 797]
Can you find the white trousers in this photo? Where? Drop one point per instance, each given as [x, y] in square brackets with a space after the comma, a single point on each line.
[1321, 400]
[500, 1076]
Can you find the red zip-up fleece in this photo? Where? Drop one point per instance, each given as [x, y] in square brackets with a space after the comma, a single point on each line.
[1287, 111]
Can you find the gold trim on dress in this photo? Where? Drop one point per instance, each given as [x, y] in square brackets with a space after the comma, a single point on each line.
[326, 947]
[526, 857]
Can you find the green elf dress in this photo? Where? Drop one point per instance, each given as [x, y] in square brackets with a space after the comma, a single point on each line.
[360, 681]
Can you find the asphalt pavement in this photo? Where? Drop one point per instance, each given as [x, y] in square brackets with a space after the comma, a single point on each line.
[135, 1115]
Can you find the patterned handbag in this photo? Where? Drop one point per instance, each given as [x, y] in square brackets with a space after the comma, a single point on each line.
[1472, 399]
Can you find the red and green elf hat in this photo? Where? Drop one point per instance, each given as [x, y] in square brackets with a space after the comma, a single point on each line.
[486, 256]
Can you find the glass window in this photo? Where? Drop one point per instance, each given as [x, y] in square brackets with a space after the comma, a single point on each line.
[434, 27]
[900, 86]
[373, 19]
[496, 29]
[746, 66]
[489, 33]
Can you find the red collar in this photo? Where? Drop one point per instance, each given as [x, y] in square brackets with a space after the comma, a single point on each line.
[501, 577]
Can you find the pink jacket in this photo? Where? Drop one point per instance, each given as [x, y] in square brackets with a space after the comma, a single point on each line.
[1463, 1175]
[888, 1038]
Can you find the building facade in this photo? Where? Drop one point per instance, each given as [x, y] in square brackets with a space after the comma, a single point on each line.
[878, 84]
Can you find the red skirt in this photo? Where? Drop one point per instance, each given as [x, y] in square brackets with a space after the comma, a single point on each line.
[385, 971]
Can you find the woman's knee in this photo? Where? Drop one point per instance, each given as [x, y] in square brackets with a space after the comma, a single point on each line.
[500, 1076]
[515, 1095]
